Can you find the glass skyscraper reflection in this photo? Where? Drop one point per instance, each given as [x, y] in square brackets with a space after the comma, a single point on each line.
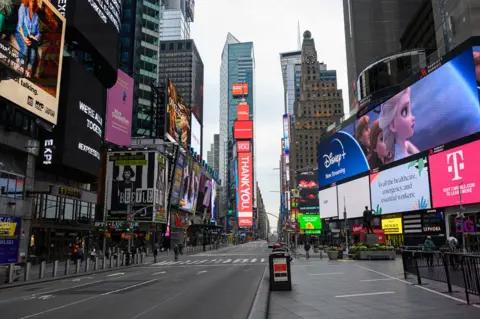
[238, 65]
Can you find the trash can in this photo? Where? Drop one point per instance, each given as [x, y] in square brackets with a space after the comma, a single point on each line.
[280, 274]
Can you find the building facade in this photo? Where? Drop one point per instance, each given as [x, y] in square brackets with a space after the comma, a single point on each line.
[180, 62]
[238, 66]
[288, 61]
[372, 30]
[139, 45]
[176, 18]
[320, 104]
[213, 153]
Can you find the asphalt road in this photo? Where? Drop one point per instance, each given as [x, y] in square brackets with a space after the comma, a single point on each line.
[216, 284]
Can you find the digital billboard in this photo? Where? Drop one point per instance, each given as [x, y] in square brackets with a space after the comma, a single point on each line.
[130, 181]
[392, 226]
[96, 24]
[286, 133]
[32, 49]
[9, 239]
[353, 196]
[191, 182]
[243, 147]
[178, 118]
[415, 120]
[161, 182]
[243, 130]
[240, 89]
[455, 171]
[196, 136]
[213, 205]
[402, 188]
[243, 112]
[328, 202]
[245, 190]
[118, 128]
[176, 190]
[310, 222]
[308, 201]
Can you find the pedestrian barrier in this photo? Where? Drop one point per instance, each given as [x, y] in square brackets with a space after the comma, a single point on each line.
[454, 269]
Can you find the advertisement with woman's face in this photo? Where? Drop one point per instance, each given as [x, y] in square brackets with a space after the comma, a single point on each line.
[436, 110]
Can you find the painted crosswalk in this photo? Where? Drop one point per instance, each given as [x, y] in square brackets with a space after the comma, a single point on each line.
[216, 261]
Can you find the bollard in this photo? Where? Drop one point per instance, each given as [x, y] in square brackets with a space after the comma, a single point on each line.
[67, 267]
[111, 261]
[144, 258]
[117, 261]
[41, 275]
[136, 258]
[95, 263]
[321, 254]
[28, 267]
[77, 266]
[55, 268]
[11, 271]
[87, 264]
[124, 259]
[168, 252]
[148, 250]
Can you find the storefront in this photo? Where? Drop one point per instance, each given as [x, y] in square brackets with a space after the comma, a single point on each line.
[468, 226]
[418, 225]
[393, 227]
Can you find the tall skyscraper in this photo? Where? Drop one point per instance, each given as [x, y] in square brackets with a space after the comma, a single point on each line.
[288, 60]
[213, 153]
[237, 67]
[176, 18]
[139, 58]
[319, 105]
[373, 29]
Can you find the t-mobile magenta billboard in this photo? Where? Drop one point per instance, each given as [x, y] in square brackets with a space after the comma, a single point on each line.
[119, 111]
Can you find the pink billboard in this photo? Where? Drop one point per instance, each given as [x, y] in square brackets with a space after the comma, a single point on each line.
[455, 171]
[119, 111]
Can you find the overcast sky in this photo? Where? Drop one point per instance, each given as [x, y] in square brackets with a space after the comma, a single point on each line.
[272, 27]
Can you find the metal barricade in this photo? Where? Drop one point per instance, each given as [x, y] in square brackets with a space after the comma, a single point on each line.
[471, 275]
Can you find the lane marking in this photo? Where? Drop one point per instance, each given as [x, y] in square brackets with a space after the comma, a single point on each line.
[327, 273]
[201, 272]
[421, 287]
[378, 279]
[245, 261]
[367, 294]
[202, 261]
[44, 297]
[227, 261]
[254, 260]
[236, 261]
[263, 259]
[158, 273]
[116, 274]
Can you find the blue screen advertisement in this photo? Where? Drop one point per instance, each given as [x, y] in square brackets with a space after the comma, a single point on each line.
[440, 108]
[9, 239]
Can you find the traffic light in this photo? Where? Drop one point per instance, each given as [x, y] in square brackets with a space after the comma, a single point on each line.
[230, 212]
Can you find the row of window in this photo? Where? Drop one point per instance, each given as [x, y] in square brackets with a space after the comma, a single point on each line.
[180, 46]
[63, 209]
[11, 186]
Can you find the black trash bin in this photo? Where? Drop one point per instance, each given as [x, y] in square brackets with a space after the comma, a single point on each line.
[280, 274]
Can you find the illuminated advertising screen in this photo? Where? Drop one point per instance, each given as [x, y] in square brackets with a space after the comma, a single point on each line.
[328, 202]
[453, 171]
[240, 89]
[243, 112]
[213, 206]
[353, 196]
[392, 226]
[176, 187]
[310, 222]
[178, 118]
[245, 190]
[243, 147]
[196, 136]
[422, 116]
[32, 50]
[118, 129]
[161, 182]
[308, 201]
[10, 228]
[402, 188]
[286, 133]
[243, 130]
[190, 184]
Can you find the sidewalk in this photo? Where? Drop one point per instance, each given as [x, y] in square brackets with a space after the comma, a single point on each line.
[357, 289]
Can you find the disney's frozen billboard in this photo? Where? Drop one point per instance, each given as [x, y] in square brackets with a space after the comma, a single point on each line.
[440, 108]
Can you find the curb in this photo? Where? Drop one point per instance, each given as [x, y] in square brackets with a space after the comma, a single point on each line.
[41, 281]
[261, 303]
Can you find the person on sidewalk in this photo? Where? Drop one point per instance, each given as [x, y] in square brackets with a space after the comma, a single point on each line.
[307, 250]
[452, 243]
[155, 254]
[429, 247]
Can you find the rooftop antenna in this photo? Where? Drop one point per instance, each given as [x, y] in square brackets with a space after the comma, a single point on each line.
[299, 43]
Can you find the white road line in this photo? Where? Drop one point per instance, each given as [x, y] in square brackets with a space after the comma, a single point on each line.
[219, 261]
[236, 261]
[245, 261]
[158, 273]
[201, 272]
[263, 259]
[367, 294]
[154, 307]
[116, 274]
[378, 279]
[188, 261]
[227, 261]
[328, 273]
[211, 261]
[254, 260]
[421, 287]
[202, 261]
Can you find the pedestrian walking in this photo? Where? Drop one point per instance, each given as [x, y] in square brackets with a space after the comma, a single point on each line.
[155, 254]
[429, 247]
[307, 250]
[452, 243]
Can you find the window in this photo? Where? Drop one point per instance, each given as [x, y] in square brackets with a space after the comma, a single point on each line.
[170, 46]
[124, 56]
[12, 185]
[50, 207]
[127, 13]
[180, 46]
[162, 46]
[189, 45]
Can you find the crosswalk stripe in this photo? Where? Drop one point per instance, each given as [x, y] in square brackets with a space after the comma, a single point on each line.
[245, 260]
[211, 261]
[227, 261]
[202, 261]
[254, 260]
[219, 261]
[236, 261]
[263, 259]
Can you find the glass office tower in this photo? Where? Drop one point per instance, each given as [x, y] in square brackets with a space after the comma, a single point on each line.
[238, 65]
[288, 60]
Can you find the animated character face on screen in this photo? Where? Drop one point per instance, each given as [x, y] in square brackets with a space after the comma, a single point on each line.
[380, 154]
[362, 134]
[398, 123]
